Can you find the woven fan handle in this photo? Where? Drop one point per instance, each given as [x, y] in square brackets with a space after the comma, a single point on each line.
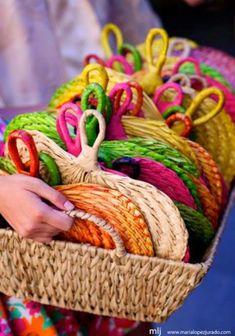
[121, 60]
[182, 44]
[152, 34]
[186, 60]
[180, 78]
[105, 34]
[197, 101]
[87, 60]
[164, 105]
[102, 77]
[120, 248]
[89, 154]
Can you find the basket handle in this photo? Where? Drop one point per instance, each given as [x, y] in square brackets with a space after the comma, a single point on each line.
[102, 77]
[176, 44]
[105, 34]
[199, 98]
[120, 248]
[89, 154]
[152, 34]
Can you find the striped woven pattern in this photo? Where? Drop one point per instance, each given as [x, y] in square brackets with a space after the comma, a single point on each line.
[146, 197]
[116, 209]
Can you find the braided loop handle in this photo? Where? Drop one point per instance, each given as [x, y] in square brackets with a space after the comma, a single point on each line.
[180, 78]
[69, 114]
[120, 248]
[15, 156]
[87, 60]
[197, 101]
[105, 34]
[181, 117]
[164, 105]
[177, 44]
[102, 75]
[88, 158]
[152, 34]
[121, 60]
[189, 60]
[126, 49]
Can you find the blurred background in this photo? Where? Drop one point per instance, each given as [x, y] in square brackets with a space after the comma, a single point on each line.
[211, 23]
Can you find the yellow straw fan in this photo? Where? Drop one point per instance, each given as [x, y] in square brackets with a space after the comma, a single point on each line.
[119, 211]
[166, 226]
[213, 128]
[150, 76]
[105, 33]
[154, 52]
[107, 78]
[156, 129]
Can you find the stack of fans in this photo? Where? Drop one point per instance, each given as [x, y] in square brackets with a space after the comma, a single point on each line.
[143, 144]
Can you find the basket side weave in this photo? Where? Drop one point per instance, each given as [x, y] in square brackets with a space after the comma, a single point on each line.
[95, 280]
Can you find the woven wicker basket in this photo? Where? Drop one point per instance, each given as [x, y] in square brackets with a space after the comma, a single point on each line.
[95, 280]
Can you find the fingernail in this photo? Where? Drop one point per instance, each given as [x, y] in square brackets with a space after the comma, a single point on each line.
[68, 206]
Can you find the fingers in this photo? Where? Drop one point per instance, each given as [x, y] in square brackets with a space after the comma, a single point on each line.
[57, 219]
[46, 192]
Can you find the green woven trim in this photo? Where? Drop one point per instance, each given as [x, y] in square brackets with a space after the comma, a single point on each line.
[7, 166]
[162, 148]
[55, 99]
[44, 122]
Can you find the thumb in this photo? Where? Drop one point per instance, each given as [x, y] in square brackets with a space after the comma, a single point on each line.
[50, 194]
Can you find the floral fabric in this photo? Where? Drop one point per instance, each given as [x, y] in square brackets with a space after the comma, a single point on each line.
[28, 318]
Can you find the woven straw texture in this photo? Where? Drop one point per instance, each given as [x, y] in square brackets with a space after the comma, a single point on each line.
[122, 215]
[162, 178]
[156, 129]
[210, 172]
[217, 135]
[167, 228]
[95, 280]
[112, 150]
[134, 127]
[217, 59]
[107, 78]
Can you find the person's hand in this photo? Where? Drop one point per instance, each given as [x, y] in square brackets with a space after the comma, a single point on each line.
[23, 205]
